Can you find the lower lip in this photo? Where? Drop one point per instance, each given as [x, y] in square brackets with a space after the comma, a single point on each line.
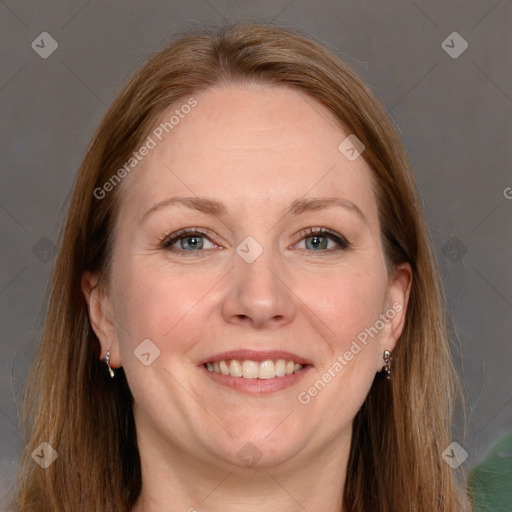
[257, 386]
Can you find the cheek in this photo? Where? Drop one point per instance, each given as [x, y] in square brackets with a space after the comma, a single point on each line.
[157, 305]
[348, 302]
[350, 305]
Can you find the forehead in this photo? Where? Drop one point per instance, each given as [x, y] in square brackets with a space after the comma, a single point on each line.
[248, 145]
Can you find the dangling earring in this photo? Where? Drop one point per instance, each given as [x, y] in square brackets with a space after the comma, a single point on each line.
[387, 359]
[107, 359]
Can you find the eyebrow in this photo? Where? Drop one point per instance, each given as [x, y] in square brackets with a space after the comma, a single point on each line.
[218, 209]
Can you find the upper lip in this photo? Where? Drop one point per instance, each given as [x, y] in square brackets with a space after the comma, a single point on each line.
[256, 355]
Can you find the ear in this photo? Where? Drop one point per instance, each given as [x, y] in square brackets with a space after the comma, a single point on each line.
[397, 298]
[101, 316]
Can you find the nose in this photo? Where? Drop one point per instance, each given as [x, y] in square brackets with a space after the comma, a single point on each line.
[257, 294]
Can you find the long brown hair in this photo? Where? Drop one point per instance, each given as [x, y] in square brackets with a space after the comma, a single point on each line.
[401, 430]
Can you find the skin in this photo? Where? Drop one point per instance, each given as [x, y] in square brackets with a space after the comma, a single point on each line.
[256, 149]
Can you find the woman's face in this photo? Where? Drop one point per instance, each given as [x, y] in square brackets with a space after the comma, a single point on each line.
[259, 166]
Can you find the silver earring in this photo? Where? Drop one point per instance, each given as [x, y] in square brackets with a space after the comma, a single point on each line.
[388, 358]
[107, 359]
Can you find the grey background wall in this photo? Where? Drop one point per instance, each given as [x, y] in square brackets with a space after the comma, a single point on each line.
[452, 104]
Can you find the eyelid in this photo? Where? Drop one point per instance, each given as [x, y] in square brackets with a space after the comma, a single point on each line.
[167, 240]
[340, 239]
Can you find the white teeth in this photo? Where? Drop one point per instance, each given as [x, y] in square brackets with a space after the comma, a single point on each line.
[235, 368]
[280, 368]
[224, 369]
[250, 369]
[253, 370]
[267, 370]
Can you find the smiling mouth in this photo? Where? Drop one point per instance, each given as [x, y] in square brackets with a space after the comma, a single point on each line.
[248, 369]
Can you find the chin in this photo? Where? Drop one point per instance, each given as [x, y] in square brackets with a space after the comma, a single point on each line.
[258, 447]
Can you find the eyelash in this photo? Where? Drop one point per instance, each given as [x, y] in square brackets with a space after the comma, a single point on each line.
[168, 240]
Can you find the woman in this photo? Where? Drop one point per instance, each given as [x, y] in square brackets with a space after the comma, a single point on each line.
[246, 311]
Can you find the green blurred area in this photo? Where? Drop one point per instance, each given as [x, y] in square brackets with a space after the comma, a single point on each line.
[490, 482]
